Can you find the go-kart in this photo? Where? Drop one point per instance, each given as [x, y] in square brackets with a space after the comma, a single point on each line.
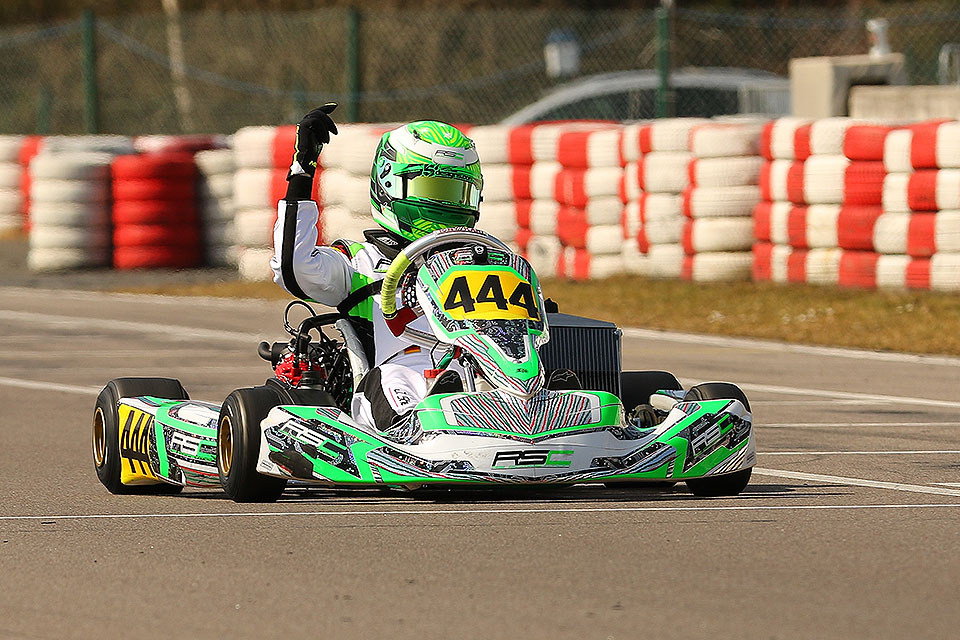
[511, 423]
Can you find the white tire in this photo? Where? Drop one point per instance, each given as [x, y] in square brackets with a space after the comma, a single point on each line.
[670, 134]
[353, 148]
[664, 171]
[725, 172]
[721, 266]
[634, 262]
[823, 179]
[543, 253]
[219, 185]
[11, 202]
[493, 143]
[602, 181]
[253, 147]
[215, 162]
[718, 234]
[339, 222]
[827, 135]
[62, 259]
[113, 145]
[254, 227]
[783, 137]
[661, 206]
[87, 238]
[70, 214]
[499, 219]
[715, 202]
[70, 191]
[254, 265]
[543, 177]
[724, 140]
[664, 230]
[890, 233]
[895, 193]
[79, 165]
[251, 188]
[356, 195]
[543, 217]
[603, 210]
[896, 151]
[823, 266]
[631, 183]
[947, 232]
[665, 260]
[10, 175]
[822, 226]
[779, 220]
[604, 240]
[891, 271]
[945, 272]
[497, 183]
[218, 210]
[10, 148]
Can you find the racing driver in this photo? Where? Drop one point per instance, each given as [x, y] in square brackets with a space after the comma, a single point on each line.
[425, 177]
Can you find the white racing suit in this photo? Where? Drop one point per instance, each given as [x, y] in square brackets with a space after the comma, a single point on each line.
[329, 275]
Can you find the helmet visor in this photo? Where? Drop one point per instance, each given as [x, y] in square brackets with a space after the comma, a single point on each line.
[430, 217]
[446, 190]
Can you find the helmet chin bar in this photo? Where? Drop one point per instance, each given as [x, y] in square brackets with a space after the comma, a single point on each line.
[414, 253]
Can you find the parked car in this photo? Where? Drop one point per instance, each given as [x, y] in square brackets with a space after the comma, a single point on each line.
[631, 95]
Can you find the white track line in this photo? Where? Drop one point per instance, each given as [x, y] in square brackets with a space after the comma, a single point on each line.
[447, 512]
[126, 326]
[841, 395]
[786, 347]
[856, 482]
[48, 386]
[804, 425]
[856, 453]
[629, 332]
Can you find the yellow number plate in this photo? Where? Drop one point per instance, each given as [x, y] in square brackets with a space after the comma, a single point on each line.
[487, 293]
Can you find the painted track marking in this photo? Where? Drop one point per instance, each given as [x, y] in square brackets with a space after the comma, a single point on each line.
[48, 386]
[856, 482]
[780, 425]
[856, 453]
[418, 512]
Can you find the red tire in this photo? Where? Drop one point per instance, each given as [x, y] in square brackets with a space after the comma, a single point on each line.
[155, 189]
[139, 235]
[154, 165]
[167, 212]
[156, 257]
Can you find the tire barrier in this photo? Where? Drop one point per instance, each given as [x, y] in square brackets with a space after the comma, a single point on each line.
[70, 192]
[11, 179]
[156, 218]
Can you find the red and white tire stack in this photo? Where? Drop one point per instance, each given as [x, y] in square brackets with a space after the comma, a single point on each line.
[821, 186]
[70, 206]
[718, 205]
[156, 218]
[215, 168]
[501, 212]
[587, 188]
[261, 157]
[918, 235]
[532, 178]
[345, 181]
[11, 180]
[656, 158]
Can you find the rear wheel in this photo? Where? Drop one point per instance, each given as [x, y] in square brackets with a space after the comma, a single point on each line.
[729, 484]
[238, 446]
[106, 429]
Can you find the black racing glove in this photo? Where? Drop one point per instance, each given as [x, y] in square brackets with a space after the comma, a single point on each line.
[313, 131]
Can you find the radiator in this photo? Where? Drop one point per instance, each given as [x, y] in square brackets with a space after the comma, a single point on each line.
[590, 348]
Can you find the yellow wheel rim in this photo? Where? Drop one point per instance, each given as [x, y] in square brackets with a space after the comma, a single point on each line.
[225, 446]
[99, 439]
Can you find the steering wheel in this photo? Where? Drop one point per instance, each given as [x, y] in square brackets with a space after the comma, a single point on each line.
[415, 254]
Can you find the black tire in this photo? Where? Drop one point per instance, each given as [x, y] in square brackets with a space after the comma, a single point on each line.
[636, 387]
[106, 430]
[717, 391]
[729, 484]
[238, 446]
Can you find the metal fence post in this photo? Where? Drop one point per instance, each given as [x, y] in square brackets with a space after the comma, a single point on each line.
[91, 107]
[664, 106]
[353, 64]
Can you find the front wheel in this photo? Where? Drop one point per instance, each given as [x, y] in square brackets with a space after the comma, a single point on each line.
[238, 446]
[729, 484]
[106, 429]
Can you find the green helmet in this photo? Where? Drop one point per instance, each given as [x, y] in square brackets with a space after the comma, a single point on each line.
[425, 177]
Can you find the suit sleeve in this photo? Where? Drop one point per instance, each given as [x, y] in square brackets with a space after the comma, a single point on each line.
[299, 266]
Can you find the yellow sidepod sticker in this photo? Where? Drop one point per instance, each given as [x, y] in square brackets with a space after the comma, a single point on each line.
[487, 293]
[136, 431]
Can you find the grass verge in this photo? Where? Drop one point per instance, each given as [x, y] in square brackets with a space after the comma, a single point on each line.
[914, 321]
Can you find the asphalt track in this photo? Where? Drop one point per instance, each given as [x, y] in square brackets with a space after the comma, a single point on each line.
[849, 528]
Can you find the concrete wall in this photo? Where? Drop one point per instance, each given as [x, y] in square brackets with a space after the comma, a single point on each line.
[905, 103]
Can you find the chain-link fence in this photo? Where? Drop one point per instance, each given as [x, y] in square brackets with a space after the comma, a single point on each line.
[218, 71]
